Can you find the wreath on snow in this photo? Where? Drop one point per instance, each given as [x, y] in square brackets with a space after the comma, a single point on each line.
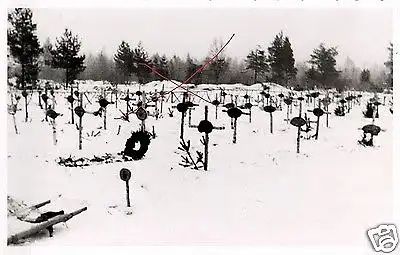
[143, 137]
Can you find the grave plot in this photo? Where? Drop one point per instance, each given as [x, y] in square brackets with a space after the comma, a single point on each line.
[167, 162]
[82, 159]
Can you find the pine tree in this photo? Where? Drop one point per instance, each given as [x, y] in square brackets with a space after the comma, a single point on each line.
[275, 59]
[103, 67]
[46, 70]
[257, 61]
[191, 68]
[288, 61]
[141, 57]
[365, 75]
[24, 45]
[163, 67]
[324, 62]
[177, 68]
[389, 65]
[124, 60]
[352, 73]
[65, 55]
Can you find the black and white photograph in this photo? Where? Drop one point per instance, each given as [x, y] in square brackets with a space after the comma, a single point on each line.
[200, 126]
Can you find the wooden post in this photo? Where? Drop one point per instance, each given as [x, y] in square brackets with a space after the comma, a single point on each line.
[190, 116]
[128, 201]
[327, 118]
[206, 140]
[54, 100]
[300, 108]
[26, 107]
[373, 114]
[155, 105]
[216, 106]
[45, 102]
[250, 115]
[162, 98]
[105, 111]
[143, 125]
[14, 120]
[53, 122]
[287, 114]
[40, 99]
[80, 123]
[234, 129]
[116, 95]
[298, 140]
[72, 105]
[316, 133]
[271, 127]
[183, 118]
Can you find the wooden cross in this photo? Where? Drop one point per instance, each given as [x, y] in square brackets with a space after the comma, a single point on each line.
[235, 113]
[206, 127]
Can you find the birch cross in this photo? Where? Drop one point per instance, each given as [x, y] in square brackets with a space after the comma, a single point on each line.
[216, 103]
[80, 112]
[53, 115]
[326, 102]
[318, 112]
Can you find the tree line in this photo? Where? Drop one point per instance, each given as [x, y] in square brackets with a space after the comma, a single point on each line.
[62, 61]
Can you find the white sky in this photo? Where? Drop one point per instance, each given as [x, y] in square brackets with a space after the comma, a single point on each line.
[363, 34]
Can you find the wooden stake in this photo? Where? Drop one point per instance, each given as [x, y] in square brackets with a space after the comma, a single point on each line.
[40, 100]
[190, 116]
[116, 95]
[316, 133]
[287, 114]
[80, 124]
[206, 140]
[45, 103]
[14, 119]
[271, 127]
[105, 112]
[72, 106]
[26, 108]
[53, 123]
[250, 115]
[234, 129]
[128, 201]
[143, 125]
[327, 118]
[162, 99]
[298, 140]
[300, 108]
[182, 120]
[15, 124]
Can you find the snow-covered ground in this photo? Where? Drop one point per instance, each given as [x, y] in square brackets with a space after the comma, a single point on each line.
[257, 191]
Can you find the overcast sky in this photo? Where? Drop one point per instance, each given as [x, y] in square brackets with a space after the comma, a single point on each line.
[362, 34]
